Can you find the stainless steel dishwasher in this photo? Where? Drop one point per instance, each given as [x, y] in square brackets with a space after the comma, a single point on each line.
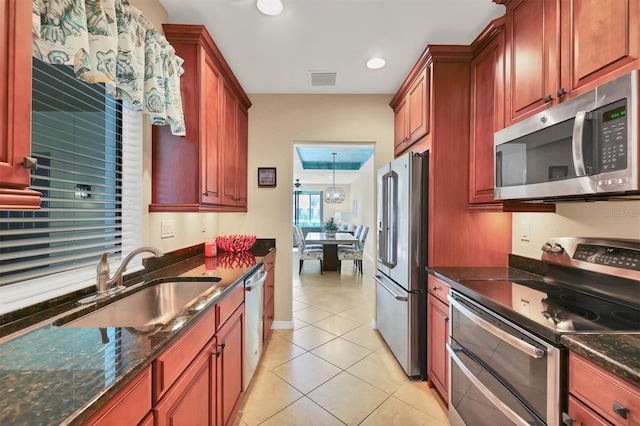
[253, 308]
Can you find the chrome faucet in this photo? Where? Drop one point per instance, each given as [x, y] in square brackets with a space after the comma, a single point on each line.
[104, 283]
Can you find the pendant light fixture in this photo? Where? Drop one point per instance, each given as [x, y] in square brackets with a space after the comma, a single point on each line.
[333, 194]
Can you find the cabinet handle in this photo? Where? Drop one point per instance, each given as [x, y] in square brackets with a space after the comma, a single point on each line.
[567, 419]
[217, 354]
[30, 163]
[222, 345]
[561, 92]
[205, 193]
[435, 288]
[446, 319]
[547, 99]
[620, 409]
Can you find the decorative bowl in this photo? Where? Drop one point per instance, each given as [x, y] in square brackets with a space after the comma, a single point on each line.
[235, 243]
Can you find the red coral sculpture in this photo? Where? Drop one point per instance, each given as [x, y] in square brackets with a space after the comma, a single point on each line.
[235, 243]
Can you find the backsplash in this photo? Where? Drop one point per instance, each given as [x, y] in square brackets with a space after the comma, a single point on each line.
[611, 219]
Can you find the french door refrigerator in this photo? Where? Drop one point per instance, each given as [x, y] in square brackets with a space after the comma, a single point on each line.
[401, 289]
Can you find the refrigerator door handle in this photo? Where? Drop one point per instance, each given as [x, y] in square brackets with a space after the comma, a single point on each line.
[390, 220]
[399, 297]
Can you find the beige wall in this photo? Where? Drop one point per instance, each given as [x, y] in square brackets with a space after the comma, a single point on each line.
[276, 122]
[615, 219]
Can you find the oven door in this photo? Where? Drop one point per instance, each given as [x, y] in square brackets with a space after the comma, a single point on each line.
[477, 398]
[527, 367]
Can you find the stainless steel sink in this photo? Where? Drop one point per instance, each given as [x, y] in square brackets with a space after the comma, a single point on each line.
[153, 305]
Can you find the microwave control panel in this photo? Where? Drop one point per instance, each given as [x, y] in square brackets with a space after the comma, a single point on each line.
[613, 137]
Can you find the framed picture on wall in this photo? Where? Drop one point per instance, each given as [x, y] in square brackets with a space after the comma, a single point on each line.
[266, 177]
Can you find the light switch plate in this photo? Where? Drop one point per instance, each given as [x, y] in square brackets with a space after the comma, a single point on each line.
[167, 228]
[524, 231]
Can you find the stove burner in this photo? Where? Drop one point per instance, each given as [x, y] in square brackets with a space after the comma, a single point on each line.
[632, 317]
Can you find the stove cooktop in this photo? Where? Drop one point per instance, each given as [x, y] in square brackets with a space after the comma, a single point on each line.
[558, 308]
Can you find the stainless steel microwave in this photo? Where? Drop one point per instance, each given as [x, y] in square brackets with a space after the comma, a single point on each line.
[585, 147]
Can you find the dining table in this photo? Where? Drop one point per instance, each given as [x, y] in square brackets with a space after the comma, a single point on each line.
[330, 246]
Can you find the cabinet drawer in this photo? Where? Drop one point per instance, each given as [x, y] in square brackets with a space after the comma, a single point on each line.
[129, 406]
[229, 304]
[583, 415]
[267, 321]
[600, 390]
[438, 288]
[172, 362]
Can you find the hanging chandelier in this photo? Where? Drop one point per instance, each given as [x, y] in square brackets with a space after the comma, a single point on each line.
[333, 194]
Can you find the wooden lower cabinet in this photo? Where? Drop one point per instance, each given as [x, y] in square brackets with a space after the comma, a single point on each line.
[438, 336]
[268, 302]
[188, 401]
[229, 366]
[129, 406]
[597, 396]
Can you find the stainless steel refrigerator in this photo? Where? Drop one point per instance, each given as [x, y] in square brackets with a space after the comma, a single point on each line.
[401, 281]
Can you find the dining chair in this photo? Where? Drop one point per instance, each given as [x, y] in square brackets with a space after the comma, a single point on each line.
[308, 252]
[298, 229]
[356, 234]
[355, 252]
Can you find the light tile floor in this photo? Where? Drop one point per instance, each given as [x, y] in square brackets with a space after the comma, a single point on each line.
[333, 368]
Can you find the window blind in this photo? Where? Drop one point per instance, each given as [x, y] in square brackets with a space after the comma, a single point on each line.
[77, 140]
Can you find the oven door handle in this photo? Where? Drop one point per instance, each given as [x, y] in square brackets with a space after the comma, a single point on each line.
[525, 347]
[504, 408]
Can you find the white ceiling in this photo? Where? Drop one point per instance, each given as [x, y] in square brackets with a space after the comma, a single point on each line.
[274, 54]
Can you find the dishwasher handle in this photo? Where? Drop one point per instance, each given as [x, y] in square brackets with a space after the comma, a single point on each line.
[252, 282]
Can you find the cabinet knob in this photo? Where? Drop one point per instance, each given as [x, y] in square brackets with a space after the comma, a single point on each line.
[446, 319]
[217, 353]
[620, 409]
[222, 345]
[30, 163]
[435, 288]
[205, 193]
[561, 92]
[547, 99]
[567, 419]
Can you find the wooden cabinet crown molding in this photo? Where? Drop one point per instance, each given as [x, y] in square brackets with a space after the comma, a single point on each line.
[198, 34]
[491, 31]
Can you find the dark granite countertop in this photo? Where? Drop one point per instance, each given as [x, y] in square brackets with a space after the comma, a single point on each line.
[52, 374]
[617, 353]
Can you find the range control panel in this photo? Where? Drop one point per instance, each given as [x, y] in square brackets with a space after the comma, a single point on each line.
[608, 255]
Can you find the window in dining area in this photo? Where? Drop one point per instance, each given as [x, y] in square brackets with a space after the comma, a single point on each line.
[307, 208]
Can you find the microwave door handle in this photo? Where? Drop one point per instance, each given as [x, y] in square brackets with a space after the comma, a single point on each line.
[498, 169]
[576, 143]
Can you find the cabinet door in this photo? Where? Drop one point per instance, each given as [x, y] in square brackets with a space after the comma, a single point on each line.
[437, 338]
[188, 401]
[128, 406]
[229, 144]
[400, 127]
[210, 158]
[15, 105]
[582, 415]
[418, 100]
[242, 154]
[230, 362]
[487, 117]
[598, 43]
[533, 73]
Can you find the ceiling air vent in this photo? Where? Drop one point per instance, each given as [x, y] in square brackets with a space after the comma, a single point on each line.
[322, 78]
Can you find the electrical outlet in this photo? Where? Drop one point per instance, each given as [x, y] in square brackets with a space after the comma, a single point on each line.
[524, 231]
[167, 229]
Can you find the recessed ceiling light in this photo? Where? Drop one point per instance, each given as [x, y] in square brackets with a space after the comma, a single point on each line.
[270, 7]
[376, 63]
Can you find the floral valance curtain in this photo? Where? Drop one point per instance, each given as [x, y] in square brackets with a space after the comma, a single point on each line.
[111, 42]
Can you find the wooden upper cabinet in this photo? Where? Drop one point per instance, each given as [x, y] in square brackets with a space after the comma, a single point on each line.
[190, 173]
[15, 106]
[600, 41]
[234, 150]
[559, 49]
[532, 54]
[411, 109]
[487, 110]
